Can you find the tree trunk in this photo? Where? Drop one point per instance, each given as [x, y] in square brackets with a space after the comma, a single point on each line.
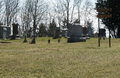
[34, 23]
[118, 32]
[114, 34]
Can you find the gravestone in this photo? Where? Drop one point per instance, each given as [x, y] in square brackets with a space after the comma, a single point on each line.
[64, 32]
[58, 40]
[15, 28]
[15, 31]
[74, 32]
[48, 41]
[4, 35]
[57, 33]
[4, 31]
[84, 30]
[102, 32]
[89, 31]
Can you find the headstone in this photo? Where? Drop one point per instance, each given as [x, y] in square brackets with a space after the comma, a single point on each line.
[74, 32]
[15, 28]
[57, 33]
[89, 31]
[4, 31]
[58, 40]
[84, 30]
[4, 35]
[15, 31]
[64, 32]
[48, 41]
[102, 32]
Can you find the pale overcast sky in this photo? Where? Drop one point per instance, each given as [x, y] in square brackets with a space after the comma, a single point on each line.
[95, 22]
[54, 0]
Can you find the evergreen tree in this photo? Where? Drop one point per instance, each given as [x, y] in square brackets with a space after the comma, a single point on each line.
[42, 30]
[52, 27]
[113, 22]
[90, 28]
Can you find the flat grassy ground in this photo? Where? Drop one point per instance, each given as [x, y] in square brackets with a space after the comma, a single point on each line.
[60, 60]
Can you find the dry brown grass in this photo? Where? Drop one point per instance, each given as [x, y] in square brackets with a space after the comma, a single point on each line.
[60, 60]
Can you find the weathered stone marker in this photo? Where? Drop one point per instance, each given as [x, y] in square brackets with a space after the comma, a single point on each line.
[48, 41]
[58, 40]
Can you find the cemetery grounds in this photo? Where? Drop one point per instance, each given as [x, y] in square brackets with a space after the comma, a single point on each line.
[60, 60]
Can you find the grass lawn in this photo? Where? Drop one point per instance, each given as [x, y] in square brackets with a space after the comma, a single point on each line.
[60, 60]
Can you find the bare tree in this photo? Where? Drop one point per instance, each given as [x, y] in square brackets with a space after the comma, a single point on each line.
[63, 9]
[26, 17]
[78, 6]
[67, 6]
[11, 8]
[1, 8]
[38, 9]
[59, 12]
[87, 11]
[72, 12]
[1, 5]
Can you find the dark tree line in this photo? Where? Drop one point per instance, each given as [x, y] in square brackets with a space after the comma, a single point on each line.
[112, 23]
[43, 31]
